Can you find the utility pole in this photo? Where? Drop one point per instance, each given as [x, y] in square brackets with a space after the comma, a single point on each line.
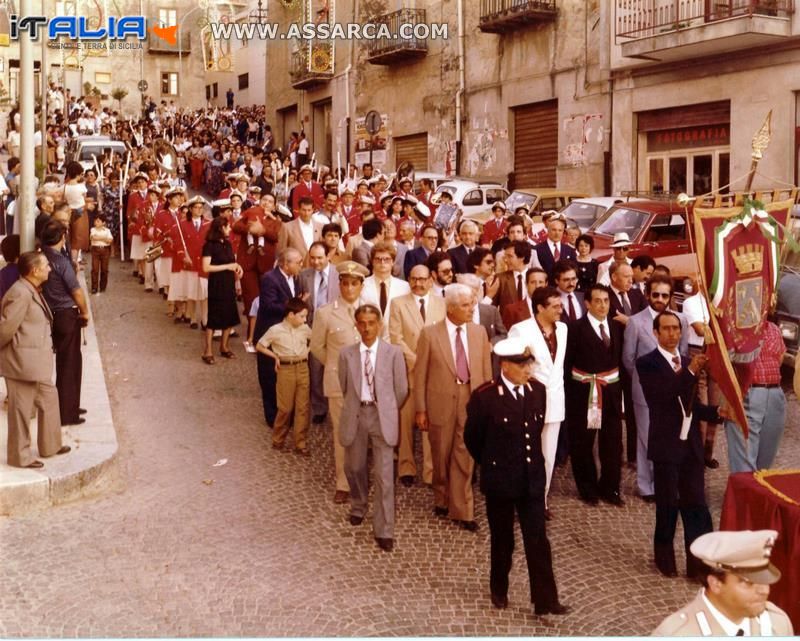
[27, 177]
[45, 86]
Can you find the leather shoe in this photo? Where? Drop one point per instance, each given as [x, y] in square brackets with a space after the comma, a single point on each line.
[387, 545]
[318, 419]
[408, 481]
[78, 421]
[341, 496]
[64, 450]
[590, 499]
[440, 511]
[500, 602]
[470, 526]
[648, 498]
[356, 520]
[35, 465]
[712, 463]
[613, 498]
[556, 608]
[81, 410]
[548, 514]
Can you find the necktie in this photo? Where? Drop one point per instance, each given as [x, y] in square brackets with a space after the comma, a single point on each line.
[739, 632]
[519, 286]
[369, 373]
[384, 298]
[556, 253]
[571, 308]
[626, 305]
[422, 308]
[676, 363]
[322, 292]
[604, 335]
[197, 225]
[518, 393]
[462, 367]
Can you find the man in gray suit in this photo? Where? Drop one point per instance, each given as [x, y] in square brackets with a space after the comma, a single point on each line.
[321, 281]
[640, 340]
[374, 382]
[26, 361]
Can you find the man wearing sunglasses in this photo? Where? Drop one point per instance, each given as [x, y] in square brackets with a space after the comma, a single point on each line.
[640, 340]
[621, 247]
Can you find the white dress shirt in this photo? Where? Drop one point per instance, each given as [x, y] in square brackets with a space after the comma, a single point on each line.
[366, 392]
[596, 326]
[513, 388]
[725, 623]
[575, 303]
[289, 280]
[307, 229]
[451, 334]
[668, 356]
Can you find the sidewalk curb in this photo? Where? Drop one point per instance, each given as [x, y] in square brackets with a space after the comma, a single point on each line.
[90, 468]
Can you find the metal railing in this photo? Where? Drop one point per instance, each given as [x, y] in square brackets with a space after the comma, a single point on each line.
[647, 18]
[491, 9]
[183, 44]
[302, 70]
[382, 46]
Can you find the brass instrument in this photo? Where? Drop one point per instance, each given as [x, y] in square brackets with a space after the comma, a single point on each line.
[154, 251]
[165, 156]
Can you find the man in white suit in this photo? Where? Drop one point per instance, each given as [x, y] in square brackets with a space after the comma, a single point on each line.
[410, 313]
[321, 281]
[546, 337]
[374, 382]
[381, 288]
[640, 340]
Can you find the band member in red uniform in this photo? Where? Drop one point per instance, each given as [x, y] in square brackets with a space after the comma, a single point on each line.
[145, 218]
[306, 186]
[186, 286]
[257, 231]
[351, 212]
[137, 197]
[166, 218]
[495, 227]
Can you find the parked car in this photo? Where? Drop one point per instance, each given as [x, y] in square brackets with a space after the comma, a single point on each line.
[474, 198]
[584, 211]
[436, 179]
[71, 151]
[539, 199]
[88, 150]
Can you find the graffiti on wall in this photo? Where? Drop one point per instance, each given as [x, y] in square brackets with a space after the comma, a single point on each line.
[483, 136]
[583, 139]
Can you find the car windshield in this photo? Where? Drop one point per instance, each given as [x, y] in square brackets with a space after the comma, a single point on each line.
[517, 199]
[87, 152]
[621, 219]
[582, 213]
[448, 188]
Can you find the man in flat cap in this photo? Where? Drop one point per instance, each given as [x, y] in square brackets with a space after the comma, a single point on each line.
[505, 418]
[335, 328]
[736, 574]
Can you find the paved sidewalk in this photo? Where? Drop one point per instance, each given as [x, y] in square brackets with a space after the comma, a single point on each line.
[87, 469]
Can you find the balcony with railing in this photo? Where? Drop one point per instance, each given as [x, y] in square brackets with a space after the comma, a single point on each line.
[311, 66]
[667, 30]
[500, 16]
[183, 44]
[401, 44]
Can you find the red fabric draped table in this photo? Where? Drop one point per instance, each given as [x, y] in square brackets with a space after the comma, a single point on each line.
[770, 500]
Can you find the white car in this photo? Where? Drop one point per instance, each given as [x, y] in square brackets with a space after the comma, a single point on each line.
[584, 211]
[475, 199]
[88, 150]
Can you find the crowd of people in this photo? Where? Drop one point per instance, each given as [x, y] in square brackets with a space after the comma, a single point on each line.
[504, 344]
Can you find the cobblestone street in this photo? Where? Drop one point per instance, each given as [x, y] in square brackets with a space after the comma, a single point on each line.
[257, 546]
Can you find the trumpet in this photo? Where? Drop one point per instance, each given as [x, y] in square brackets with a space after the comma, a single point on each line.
[154, 251]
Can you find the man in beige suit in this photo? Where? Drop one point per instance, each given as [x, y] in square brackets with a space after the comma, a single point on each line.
[301, 232]
[27, 362]
[453, 359]
[409, 314]
[335, 328]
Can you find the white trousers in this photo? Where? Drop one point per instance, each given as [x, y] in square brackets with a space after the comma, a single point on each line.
[549, 447]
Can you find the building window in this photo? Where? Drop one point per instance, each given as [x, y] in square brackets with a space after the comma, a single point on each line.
[169, 83]
[208, 92]
[215, 89]
[102, 78]
[167, 17]
[244, 81]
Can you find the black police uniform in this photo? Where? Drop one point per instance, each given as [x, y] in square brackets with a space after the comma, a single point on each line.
[503, 435]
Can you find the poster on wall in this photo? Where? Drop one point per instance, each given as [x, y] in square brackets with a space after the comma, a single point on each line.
[363, 141]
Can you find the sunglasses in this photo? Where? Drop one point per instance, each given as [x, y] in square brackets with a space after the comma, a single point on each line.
[660, 295]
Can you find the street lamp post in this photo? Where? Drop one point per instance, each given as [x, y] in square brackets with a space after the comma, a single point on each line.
[25, 199]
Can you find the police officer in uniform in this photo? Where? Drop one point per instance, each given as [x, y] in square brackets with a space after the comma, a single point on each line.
[503, 434]
[736, 575]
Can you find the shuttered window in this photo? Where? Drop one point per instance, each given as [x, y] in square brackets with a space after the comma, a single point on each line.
[535, 145]
[413, 149]
[708, 113]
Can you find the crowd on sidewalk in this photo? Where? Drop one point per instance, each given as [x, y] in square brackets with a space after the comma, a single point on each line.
[503, 346]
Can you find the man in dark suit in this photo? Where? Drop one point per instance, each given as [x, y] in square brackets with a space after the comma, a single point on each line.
[675, 445]
[277, 286]
[565, 276]
[503, 434]
[468, 234]
[550, 251]
[594, 399]
[522, 310]
[625, 299]
[430, 239]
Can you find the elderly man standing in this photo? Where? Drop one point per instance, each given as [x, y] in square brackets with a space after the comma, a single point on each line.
[64, 295]
[410, 313]
[621, 246]
[277, 286]
[453, 360]
[26, 320]
[374, 384]
[335, 328]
